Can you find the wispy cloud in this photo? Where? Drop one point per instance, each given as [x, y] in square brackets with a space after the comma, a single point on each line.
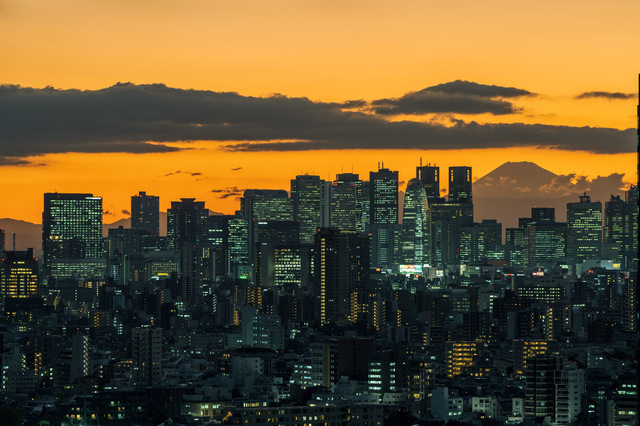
[605, 95]
[232, 191]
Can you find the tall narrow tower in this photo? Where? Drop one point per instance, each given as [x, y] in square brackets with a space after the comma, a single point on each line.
[383, 216]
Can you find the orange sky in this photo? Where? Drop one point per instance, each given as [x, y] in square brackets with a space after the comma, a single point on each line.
[325, 50]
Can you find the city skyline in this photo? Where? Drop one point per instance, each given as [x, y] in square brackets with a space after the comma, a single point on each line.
[205, 100]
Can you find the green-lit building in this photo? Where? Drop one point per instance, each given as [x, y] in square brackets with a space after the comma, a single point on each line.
[71, 228]
[584, 230]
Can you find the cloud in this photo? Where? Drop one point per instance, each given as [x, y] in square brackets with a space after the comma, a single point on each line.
[145, 118]
[463, 97]
[228, 192]
[235, 169]
[177, 172]
[127, 212]
[605, 95]
[368, 133]
[12, 161]
[476, 89]
[427, 102]
[599, 188]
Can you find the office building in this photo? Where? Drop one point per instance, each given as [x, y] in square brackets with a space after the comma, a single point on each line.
[71, 228]
[460, 185]
[18, 276]
[617, 242]
[186, 222]
[308, 196]
[145, 213]
[429, 176]
[584, 230]
[447, 221]
[546, 243]
[383, 207]
[415, 241]
[346, 195]
[631, 197]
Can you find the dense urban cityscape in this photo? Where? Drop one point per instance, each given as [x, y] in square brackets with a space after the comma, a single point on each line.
[333, 302]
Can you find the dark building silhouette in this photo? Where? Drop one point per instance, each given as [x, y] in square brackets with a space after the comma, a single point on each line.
[460, 185]
[145, 213]
[341, 263]
[430, 177]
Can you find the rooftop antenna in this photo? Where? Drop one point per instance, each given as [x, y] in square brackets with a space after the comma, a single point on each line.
[420, 161]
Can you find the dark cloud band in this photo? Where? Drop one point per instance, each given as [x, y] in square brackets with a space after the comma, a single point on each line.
[144, 118]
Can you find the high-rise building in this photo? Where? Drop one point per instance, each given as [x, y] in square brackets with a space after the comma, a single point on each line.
[429, 176]
[584, 230]
[631, 197]
[546, 242]
[263, 205]
[415, 238]
[187, 226]
[308, 195]
[145, 213]
[346, 203]
[460, 185]
[383, 195]
[71, 228]
[239, 247]
[617, 242]
[146, 354]
[447, 221]
[186, 222]
[341, 263]
[18, 276]
[1, 241]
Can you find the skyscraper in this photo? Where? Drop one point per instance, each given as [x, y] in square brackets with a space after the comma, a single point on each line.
[584, 229]
[460, 185]
[429, 176]
[416, 227]
[617, 231]
[71, 228]
[186, 222]
[384, 216]
[145, 213]
[308, 199]
[345, 203]
[187, 226]
[341, 263]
